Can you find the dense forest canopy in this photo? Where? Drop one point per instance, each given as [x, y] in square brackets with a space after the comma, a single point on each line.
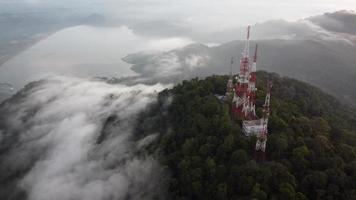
[311, 147]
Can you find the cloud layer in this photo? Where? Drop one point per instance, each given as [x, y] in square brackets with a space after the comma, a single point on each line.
[68, 138]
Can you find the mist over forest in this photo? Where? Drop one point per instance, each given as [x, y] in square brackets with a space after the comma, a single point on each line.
[117, 100]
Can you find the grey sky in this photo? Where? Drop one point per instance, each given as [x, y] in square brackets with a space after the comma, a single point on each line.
[216, 14]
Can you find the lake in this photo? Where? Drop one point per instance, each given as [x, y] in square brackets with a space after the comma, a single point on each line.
[82, 51]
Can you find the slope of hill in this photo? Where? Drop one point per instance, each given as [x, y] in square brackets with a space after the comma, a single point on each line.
[311, 147]
[342, 21]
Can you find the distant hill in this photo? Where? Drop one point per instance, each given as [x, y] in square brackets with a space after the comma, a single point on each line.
[311, 148]
[324, 57]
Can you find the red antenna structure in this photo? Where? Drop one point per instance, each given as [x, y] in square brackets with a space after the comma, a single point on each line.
[244, 97]
[244, 100]
[261, 143]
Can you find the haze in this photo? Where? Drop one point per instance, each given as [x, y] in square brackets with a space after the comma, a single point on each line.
[89, 38]
[212, 12]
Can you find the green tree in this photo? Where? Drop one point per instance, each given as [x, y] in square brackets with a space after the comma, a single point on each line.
[287, 191]
[239, 157]
[257, 193]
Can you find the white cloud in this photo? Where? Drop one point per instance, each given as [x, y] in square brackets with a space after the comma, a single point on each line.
[64, 130]
[320, 33]
[167, 64]
[193, 61]
[166, 44]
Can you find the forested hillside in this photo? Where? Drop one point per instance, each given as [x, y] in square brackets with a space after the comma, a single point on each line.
[311, 147]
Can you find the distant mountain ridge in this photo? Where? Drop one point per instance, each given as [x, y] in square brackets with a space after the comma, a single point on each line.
[302, 50]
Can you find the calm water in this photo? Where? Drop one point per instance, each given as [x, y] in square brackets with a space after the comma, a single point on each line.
[82, 51]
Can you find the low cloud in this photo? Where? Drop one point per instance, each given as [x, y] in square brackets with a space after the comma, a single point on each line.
[69, 138]
[194, 61]
[319, 33]
[178, 64]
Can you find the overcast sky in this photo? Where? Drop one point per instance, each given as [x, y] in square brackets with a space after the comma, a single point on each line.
[216, 13]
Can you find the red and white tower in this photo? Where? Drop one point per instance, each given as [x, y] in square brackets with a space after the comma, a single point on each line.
[244, 96]
[261, 142]
[244, 99]
[253, 78]
[252, 88]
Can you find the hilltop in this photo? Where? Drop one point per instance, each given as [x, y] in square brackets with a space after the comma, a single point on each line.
[311, 147]
[181, 143]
